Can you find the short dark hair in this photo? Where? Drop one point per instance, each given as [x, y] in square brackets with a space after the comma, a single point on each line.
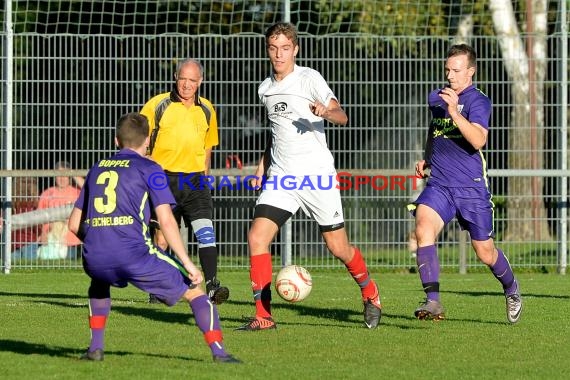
[132, 130]
[463, 49]
[285, 28]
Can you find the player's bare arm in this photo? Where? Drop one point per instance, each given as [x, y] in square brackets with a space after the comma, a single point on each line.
[333, 113]
[421, 166]
[74, 221]
[262, 165]
[474, 133]
[208, 160]
[258, 180]
[79, 181]
[169, 228]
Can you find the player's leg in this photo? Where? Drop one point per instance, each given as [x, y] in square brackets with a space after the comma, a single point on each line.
[337, 243]
[198, 212]
[164, 276]
[208, 254]
[325, 207]
[498, 263]
[428, 226]
[208, 321]
[477, 218]
[432, 210]
[99, 294]
[160, 241]
[266, 223]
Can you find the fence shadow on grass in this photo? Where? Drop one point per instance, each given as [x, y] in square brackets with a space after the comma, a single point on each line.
[27, 348]
[327, 316]
[39, 295]
[501, 294]
[160, 313]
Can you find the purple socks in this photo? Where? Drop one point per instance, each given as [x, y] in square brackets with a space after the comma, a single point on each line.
[503, 272]
[428, 267]
[208, 321]
[99, 309]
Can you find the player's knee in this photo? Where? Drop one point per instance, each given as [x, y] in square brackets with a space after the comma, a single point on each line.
[425, 233]
[204, 232]
[258, 242]
[486, 258]
[261, 233]
[192, 293]
[485, 252]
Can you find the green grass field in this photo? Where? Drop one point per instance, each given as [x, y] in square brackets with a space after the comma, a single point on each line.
[43, 330]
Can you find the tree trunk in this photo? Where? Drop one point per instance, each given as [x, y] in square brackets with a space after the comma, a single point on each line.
[526, 214]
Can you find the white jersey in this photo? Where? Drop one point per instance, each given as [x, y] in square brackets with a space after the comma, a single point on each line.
[299, 145]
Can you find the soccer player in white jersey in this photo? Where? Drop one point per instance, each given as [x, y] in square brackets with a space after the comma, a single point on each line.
[298, 101]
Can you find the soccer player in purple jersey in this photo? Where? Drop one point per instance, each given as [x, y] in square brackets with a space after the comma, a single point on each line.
[111, 217]
[457, 184]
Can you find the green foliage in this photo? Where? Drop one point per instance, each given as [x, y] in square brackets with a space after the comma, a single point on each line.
[384, 18]
[44, 330]
[434, 18]
[390, 19]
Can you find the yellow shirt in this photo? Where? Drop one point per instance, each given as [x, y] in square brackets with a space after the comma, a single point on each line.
[184, 134]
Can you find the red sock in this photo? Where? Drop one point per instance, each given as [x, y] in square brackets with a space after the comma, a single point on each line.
[358, 271]
[260, 273]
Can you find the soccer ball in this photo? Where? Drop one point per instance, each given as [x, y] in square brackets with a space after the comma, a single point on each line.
[293, 283]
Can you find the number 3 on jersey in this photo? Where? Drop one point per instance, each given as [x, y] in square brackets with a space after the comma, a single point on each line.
[108, 203]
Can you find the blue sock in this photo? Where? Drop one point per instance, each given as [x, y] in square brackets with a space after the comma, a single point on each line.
[428, 267]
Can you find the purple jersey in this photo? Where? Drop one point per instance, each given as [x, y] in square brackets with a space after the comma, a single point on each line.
[454, 162]
[116, 201]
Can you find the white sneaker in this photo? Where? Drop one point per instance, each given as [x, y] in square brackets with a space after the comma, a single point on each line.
[514, 306]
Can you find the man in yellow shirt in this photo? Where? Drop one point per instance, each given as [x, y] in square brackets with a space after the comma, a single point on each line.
[183, 130]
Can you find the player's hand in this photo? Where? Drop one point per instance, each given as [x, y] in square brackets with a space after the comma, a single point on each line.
[450, 97]
[194, 274]
[421, 166]
[256, 182]
[318, 109]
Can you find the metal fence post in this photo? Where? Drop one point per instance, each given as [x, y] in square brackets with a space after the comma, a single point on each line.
[287, 238]
[563, 120]
[462, 252]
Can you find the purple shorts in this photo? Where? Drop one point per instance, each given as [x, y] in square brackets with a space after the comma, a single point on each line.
[158, 274]
[472, 206]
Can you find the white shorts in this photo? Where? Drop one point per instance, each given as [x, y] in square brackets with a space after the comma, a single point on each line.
[318, 196]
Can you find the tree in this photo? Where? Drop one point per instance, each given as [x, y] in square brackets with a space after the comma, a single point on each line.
[526, 213]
